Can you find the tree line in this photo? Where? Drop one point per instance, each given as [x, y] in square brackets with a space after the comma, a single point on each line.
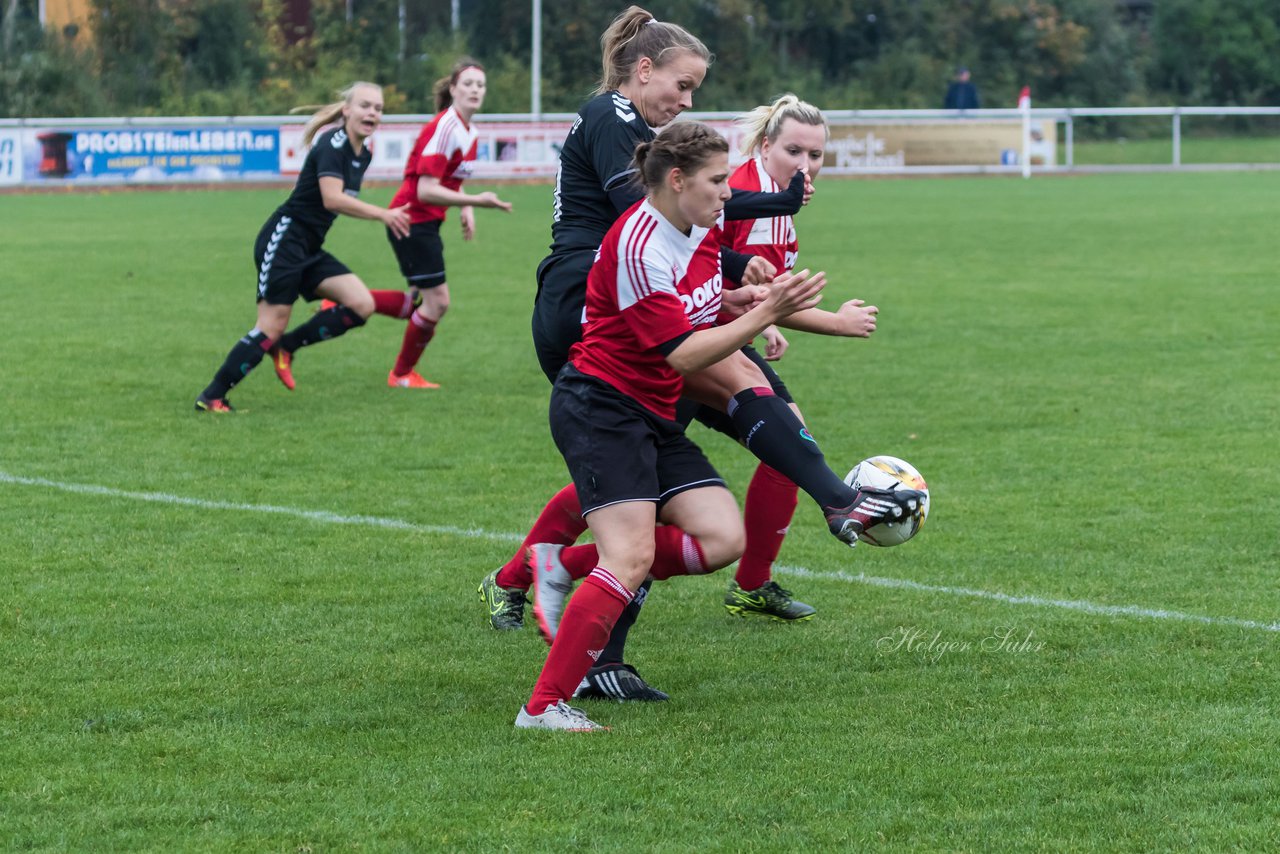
[256, 57]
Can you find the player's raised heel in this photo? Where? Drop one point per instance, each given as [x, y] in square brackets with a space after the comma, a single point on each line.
[552, 585]
[282, 361]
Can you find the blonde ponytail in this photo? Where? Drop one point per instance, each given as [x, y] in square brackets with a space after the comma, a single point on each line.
[329, 113]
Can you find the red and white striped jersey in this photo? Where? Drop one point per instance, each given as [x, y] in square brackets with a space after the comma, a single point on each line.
[650, 284]
[444, 150]
[772, 238]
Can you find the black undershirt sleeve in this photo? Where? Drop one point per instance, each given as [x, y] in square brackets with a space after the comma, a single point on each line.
[747, 204]
[666, 347]
[733, 264]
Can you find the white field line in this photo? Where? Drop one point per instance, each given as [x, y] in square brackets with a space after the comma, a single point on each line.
[328, 518]
[321, 516]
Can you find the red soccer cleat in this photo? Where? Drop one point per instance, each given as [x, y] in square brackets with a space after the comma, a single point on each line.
[282, 361]
[409, 380]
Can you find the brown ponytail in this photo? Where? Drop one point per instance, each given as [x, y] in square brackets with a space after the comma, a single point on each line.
[440, 91]
[682, 145]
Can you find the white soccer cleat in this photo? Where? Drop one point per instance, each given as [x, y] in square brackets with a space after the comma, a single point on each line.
[561, 717]
[552, 585]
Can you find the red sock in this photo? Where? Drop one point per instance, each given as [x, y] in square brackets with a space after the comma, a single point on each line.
[771, 502]
[417, 334]
[392, 303]
[676, 553]
[584, 631]
[560, 522]
[580, 560]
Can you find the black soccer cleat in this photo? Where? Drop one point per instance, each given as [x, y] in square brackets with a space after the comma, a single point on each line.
[618, 682]
[871, 506]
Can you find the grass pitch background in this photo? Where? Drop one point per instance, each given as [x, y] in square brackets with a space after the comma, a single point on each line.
[1084, 368]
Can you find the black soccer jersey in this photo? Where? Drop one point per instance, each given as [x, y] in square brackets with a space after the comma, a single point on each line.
[594, 184]
[331, 155]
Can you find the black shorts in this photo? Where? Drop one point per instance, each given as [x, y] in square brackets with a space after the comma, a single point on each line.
[688, 411]
[421, 254]
[290, 263]
[557, 310]
[618, 451]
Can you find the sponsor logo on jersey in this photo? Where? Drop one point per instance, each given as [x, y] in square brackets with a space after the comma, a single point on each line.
[702, 304]
[339, 139]
[703, 294]
[790, 260]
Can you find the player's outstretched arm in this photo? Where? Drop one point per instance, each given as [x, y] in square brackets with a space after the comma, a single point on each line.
[853, 319]
[396, 219]
[432, 192]
[787, 294]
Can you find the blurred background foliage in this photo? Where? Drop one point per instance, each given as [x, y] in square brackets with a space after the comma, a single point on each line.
[263, 57]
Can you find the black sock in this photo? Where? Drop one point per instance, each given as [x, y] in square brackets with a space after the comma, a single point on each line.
[324, 325]
[614, 651]
[773, 433]
[242, 359]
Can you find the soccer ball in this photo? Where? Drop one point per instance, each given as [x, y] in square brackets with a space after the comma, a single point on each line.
[886, 472]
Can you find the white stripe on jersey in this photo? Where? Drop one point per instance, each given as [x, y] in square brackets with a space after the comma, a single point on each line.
[773, 231]
[653, 255]
[450, 136]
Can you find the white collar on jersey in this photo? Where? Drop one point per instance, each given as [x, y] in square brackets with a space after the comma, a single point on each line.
[689, 241]
[767, 184]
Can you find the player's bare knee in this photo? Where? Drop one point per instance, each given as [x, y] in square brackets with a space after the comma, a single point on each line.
[723, 545]
[361, 305]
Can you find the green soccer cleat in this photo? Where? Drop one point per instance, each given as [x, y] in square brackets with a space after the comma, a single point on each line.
[768, 600]
[506, 604]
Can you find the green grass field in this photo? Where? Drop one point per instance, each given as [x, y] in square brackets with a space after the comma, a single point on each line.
[261, 632]
[1259, 148]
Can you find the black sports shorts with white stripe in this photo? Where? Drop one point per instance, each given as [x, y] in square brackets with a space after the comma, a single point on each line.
[617, 450]
[290, 262]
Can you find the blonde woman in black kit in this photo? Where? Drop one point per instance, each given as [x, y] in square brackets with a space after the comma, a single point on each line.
[289, 257]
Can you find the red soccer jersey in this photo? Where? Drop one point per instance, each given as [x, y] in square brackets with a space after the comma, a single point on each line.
[772, 238]
[650, 283]
[444, 150]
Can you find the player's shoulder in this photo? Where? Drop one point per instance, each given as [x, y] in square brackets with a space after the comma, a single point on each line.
[644, 235]
[334, 138]
[745, 175]
[611, 110]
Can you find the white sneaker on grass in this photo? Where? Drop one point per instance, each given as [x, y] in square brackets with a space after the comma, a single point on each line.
[561, 716]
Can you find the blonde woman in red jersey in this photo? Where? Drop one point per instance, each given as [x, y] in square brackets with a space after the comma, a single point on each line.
[779, 139]
[653, 297]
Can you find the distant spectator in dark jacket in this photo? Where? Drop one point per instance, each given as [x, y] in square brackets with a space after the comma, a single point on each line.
[961, 94]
